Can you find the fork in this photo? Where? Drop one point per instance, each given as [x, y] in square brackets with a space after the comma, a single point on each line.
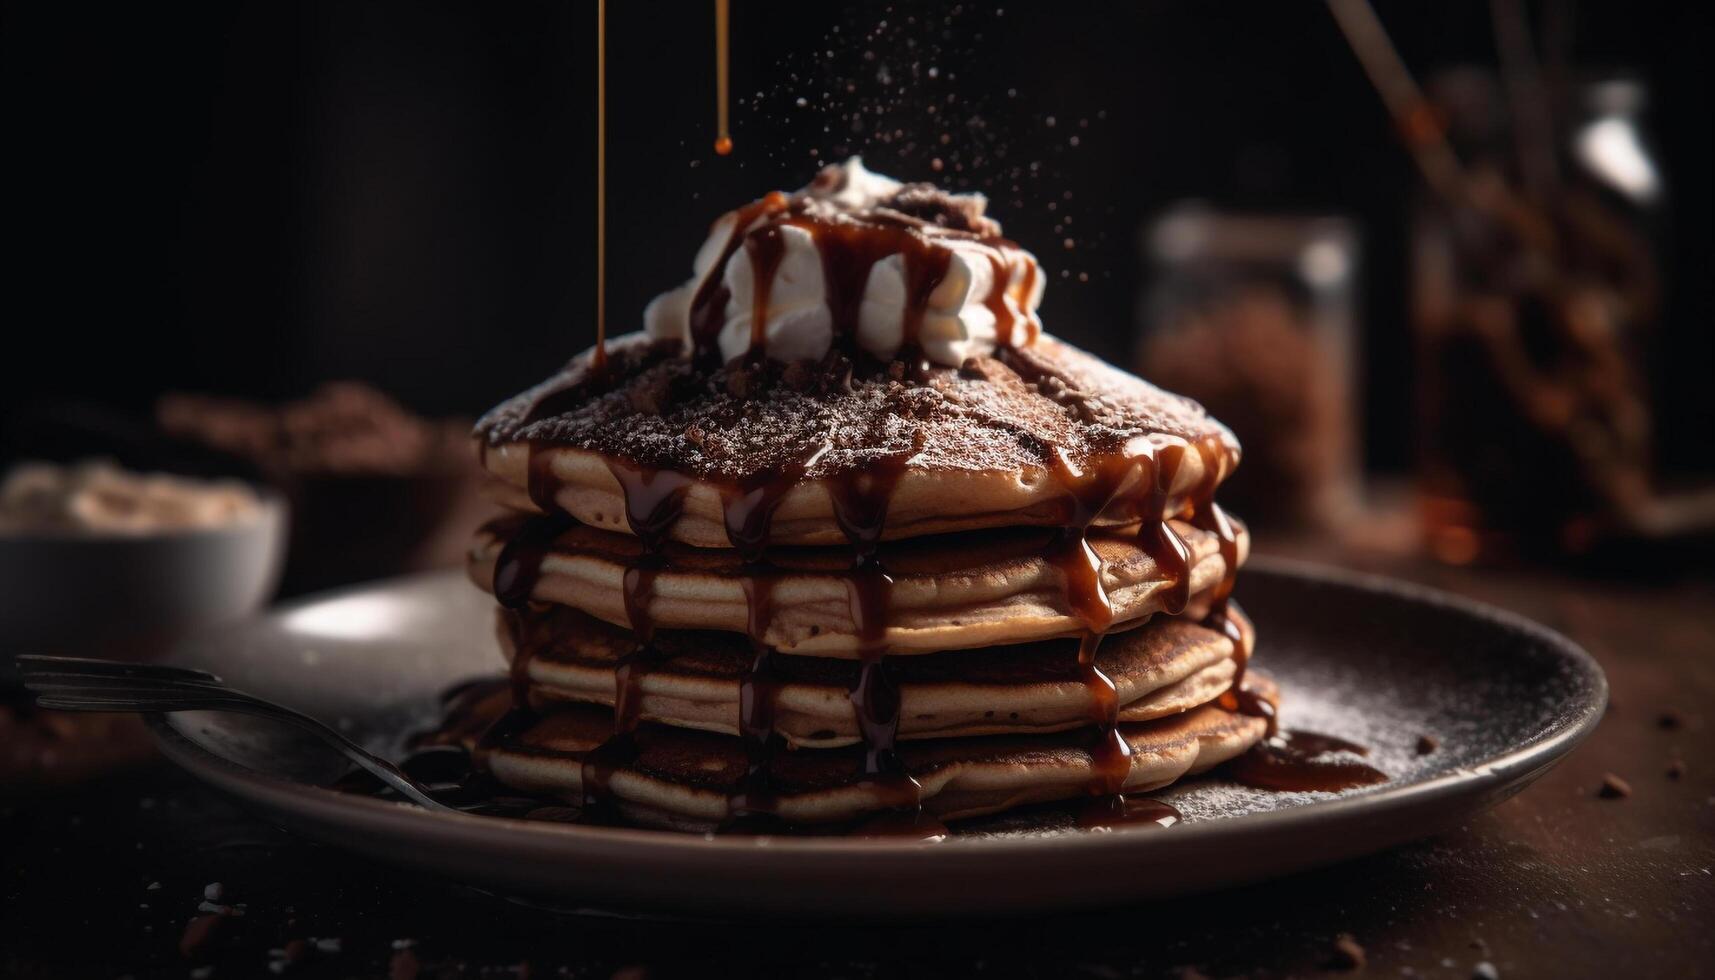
[86, 684]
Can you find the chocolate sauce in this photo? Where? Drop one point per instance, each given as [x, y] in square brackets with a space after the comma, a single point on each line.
[518, 672]
[1244, 701]
[875, 697]
[1296, 763]
[1081, 569]
[996, 301]
[1110, 753]
[1107, 812]
[752, 808]
[1087, 494]
[861, 500]
[1208, 516]
[654, 502]
[468, 711]
[540, 482]
[748, 506]
[848, 254]
[748, 513]
[639, 588]
[925, 269]
[1316, 743]
[519, 565]
[909, 824]
[709, 302]
[766, 246]
[602, 763]
[1158, 538]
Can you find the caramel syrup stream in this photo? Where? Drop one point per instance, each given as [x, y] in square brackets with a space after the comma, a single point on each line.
[723, 138]
[600, 360]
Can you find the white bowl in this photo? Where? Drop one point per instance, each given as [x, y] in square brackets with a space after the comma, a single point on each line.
[133, 595]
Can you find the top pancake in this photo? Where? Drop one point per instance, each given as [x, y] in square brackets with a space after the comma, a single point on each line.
[989, 444]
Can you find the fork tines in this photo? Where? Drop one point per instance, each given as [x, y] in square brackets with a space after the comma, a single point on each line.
[31, 664]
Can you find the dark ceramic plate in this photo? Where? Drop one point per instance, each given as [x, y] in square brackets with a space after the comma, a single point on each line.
[1368, 659]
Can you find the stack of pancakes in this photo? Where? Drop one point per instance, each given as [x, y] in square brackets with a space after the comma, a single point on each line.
[747, 592]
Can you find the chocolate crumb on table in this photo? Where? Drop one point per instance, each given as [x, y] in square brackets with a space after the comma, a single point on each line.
[1347, 953]
[1670, 721]
[1676, 769]
[1614, 788]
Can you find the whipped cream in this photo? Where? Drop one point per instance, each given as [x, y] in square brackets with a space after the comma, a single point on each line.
[987, 296]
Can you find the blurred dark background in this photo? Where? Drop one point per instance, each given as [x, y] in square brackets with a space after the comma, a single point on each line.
[251, 198]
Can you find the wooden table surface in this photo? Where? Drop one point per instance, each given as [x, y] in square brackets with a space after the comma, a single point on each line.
[100, 879]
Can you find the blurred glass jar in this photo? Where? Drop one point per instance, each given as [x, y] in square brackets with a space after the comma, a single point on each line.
[1530, 299]
[1253, 315]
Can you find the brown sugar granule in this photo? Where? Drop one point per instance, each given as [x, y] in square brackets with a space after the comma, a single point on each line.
[1614, 788]
[1347, 953]
[1427, 744]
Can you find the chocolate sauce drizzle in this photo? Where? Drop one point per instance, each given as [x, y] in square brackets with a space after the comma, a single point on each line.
[754, 807]
[654, 500]
[861, 499]
[1106, 478]
[1004, 318]
[1108, 812]
[1296, 762]
[747, 510]
[709, 302]
[1208, 516]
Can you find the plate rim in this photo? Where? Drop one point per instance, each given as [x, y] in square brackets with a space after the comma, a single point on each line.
[1513, 766]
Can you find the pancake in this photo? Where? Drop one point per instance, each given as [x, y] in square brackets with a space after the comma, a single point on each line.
[1165, 667]
[948, 593]
[990, 444]
[684, 779]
